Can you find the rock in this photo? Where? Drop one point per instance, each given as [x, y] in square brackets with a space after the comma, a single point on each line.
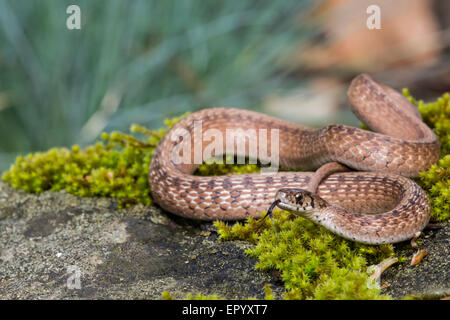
[428, 279]
[47, 240]
[135, 253]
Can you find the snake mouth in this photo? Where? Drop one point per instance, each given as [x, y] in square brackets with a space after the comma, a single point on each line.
[298, 200]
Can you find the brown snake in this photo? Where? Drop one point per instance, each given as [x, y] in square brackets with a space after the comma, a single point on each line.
[381, 206]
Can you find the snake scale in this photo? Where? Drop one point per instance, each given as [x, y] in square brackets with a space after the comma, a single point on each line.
[376, 204]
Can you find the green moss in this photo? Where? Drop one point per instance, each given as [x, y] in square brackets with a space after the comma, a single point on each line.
[313, 262]
[211, 168]
[436, 183]
[117, 168]
[268, 292]
[167, 296]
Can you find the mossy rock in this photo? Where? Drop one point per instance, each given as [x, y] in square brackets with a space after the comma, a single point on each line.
[141, 252]
[300, 260]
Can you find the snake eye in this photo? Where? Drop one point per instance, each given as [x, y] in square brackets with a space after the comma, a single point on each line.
[299, 198]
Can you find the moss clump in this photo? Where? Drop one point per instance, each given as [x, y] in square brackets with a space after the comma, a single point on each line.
[213, 168]
[117, 168]
[313, 263]
[436, 182]
[167, 296]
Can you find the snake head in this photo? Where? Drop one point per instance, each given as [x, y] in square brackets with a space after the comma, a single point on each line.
[299, 200]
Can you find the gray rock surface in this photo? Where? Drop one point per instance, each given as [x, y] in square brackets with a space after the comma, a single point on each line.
[430, 279]
[139, 253]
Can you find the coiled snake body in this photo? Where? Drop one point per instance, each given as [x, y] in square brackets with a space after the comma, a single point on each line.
[401, 146]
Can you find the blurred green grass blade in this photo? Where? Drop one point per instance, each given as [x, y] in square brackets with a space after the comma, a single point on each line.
[139, 61]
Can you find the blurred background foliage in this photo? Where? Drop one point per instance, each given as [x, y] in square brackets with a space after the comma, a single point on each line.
[134, 62]
[143, 61]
